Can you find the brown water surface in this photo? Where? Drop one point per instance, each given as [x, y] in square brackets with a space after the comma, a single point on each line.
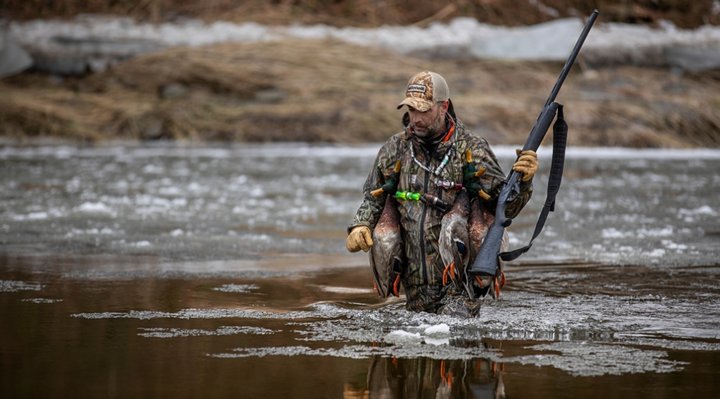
[74, 328]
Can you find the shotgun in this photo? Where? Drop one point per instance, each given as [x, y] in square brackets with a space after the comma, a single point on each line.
[486, 262]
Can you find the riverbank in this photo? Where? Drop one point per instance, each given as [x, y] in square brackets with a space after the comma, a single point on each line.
[331, 91]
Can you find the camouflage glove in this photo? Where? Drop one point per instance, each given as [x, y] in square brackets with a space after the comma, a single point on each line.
[526, 164]
[359, 238]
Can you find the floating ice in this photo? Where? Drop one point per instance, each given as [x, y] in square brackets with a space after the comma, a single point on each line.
[439, 329]
[400, 336]
[94, 207]
[31, 216]
[362, 352]
[91, 232]
[612, 232]
[346, 290]
[656, 253]
[656, 232]
[669, 244]
[269, 351]
[236, 288]
[703, 210]
[16, 286]
[671, 344]
[221, 313]
[588, 328]
[41, 300]
[691, 215]
[590, 359]
[194, 332]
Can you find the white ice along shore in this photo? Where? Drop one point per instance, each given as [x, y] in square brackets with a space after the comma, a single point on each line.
[93, 42]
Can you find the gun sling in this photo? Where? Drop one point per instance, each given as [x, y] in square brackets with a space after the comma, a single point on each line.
[560, 130]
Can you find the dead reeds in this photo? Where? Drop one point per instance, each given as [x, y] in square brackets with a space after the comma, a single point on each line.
[303, 90]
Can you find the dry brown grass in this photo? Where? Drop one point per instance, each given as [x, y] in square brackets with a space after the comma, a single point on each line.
[684, 13]
[334, 92]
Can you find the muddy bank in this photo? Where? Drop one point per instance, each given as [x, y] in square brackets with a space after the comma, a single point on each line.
[327, 91]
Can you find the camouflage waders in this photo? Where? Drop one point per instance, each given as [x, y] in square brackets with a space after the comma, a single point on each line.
[440, 174]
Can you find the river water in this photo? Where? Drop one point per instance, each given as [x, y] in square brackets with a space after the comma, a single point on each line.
[183, 270]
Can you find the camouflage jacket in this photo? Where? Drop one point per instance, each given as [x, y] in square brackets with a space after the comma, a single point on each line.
[424, 173]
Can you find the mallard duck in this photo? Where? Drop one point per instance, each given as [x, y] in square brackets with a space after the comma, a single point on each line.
[387, 253]
[480, 221]
[453, 239]
[462, 232]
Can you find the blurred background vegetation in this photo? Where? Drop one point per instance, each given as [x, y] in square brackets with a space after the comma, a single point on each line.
[684, 13]
[324, 90]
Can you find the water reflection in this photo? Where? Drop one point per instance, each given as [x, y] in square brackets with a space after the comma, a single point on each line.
[391, 377]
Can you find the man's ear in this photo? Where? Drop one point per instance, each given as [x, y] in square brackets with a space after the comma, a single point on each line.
[445, 105]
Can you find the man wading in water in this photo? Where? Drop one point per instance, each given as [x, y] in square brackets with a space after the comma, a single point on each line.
[426, 172]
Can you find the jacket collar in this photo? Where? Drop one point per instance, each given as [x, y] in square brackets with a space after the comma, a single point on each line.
[454, 128]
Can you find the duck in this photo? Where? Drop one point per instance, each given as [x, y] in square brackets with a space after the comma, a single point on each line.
[462, 231]
[478, 224]
[387, 255]
[454, 239]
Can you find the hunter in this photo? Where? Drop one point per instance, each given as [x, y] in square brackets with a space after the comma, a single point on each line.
[431, 151]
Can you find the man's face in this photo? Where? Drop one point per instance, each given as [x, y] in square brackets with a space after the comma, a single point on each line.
[429, 123]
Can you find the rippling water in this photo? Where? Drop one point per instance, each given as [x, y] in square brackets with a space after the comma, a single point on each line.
[208, 203]
[130, 270]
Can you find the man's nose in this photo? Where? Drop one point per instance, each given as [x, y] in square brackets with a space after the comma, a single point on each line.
[415, 117]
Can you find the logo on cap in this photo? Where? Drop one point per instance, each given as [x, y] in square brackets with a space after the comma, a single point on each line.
[416, 88]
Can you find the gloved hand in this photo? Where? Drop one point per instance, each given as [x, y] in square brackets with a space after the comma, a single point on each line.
[359, 238]
[526, 164]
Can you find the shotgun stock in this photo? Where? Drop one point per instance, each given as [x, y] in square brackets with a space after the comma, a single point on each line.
[486, 262]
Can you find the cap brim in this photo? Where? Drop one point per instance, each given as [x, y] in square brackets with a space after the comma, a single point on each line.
[416, 103]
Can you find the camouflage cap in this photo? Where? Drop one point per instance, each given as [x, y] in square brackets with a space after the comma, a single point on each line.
[424, 90]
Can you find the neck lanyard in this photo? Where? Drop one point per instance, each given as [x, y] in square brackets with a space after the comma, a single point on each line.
[444, 162]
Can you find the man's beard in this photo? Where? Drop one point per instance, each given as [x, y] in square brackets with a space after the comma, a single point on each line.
[435, 129]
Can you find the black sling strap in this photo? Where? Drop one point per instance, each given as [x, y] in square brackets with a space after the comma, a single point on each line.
[560, 130]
